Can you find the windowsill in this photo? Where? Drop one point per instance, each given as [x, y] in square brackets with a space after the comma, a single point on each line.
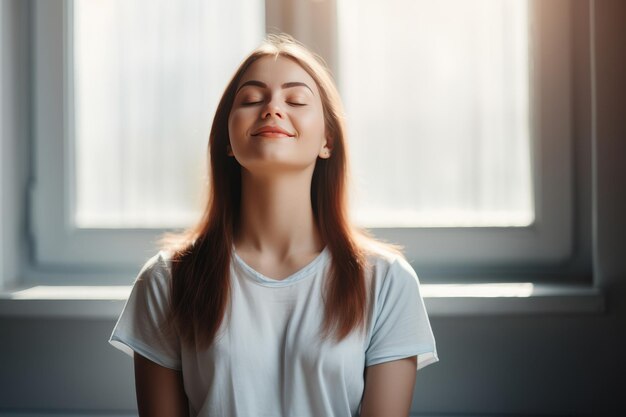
[442, 300]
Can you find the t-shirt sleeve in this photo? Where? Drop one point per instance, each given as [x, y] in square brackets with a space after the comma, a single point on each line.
[141, 325]
[401, 327]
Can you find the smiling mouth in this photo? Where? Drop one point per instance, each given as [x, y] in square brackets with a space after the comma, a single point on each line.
[273, 135]
[272, 131]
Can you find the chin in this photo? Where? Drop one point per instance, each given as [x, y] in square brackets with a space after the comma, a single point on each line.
[263, 167]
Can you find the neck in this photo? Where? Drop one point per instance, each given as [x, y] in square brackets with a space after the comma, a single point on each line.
[277, 216]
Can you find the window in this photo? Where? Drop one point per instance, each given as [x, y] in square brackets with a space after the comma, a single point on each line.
[124, 156]
[463, 108]
[468, 117]
[438, 96]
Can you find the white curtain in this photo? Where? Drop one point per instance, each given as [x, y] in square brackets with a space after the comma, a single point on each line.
[147, 76]
[437, 99]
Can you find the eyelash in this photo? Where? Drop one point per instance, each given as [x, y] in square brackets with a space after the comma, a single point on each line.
[258, 102]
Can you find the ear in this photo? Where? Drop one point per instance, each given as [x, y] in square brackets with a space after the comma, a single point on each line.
[326, 149]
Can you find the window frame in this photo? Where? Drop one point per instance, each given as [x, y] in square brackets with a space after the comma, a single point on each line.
[58, 246]
[549, 240]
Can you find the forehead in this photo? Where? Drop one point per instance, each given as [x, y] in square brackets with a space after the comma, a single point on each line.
[276, 71]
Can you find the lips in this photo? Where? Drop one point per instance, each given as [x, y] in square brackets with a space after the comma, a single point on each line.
[271, 131]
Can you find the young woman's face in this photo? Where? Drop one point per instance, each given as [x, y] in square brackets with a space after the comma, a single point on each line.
[277, 120]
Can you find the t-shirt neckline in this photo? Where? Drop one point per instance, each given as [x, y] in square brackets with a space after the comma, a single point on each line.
[296, 276]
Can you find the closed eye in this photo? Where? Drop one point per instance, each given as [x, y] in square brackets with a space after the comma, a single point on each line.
[251, 103]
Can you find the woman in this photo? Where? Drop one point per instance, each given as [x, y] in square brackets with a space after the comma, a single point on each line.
[274, 304]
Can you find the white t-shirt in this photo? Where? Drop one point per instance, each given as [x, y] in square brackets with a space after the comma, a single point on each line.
[268, 359]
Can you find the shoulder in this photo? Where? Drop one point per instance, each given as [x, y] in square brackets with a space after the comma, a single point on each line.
[157, 269]
[389, 267]
[394, 285]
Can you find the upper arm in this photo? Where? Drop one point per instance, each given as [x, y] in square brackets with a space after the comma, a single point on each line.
[160, 390]
[389, 388]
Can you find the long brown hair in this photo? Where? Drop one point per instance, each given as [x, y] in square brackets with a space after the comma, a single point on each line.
[201, 255]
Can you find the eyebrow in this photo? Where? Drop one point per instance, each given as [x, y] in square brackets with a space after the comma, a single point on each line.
[263, 85]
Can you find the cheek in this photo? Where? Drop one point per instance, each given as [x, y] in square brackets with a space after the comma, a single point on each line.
[235, 124]
[313, 124]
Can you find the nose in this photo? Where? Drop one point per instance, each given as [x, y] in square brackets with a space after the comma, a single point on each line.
[272, 109]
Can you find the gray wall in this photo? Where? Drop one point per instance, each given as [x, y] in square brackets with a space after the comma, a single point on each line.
[533, 365]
